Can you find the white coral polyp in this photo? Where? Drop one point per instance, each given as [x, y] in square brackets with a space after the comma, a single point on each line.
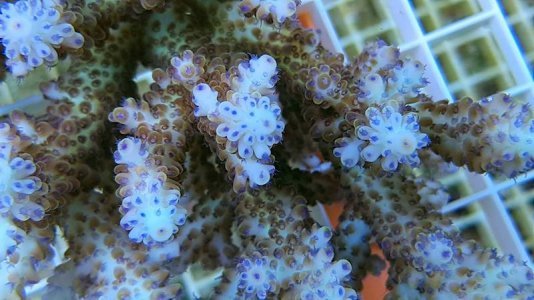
[255, 276]
[323, 283]
[278, 10]
[510, 139]
[152, 216]
[258, 75]
[348, 151]
[11, 237]
[16, 186]
[393, 136]
[372, 88]
[187, 69]
[407, 79]
[403, 81]
[378, 56]
[150, 211]
[310, 162]
[205, 100]
[249, 121]
[253, 123]
[257, 173]
[30, 30]
[131, 152]
[435, 251]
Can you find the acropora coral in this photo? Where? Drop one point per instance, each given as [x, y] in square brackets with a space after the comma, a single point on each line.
[248, 123]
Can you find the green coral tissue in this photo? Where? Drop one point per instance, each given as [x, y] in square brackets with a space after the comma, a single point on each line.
[248, 122]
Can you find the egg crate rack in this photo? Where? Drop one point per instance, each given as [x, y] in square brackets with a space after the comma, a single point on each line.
[470, 48]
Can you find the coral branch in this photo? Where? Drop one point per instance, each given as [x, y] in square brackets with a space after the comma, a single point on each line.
[429, 258]
[495, 134]
[247, 123]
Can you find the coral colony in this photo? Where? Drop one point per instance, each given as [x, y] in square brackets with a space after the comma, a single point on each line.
[249, 122]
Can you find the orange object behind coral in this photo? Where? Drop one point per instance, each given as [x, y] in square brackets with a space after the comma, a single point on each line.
[306, 20]
[374, 287]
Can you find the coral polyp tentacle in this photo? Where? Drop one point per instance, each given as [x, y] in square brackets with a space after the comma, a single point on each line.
[199, 134]
[31, 30]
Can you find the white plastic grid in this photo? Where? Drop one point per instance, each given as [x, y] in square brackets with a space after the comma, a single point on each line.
[483, 202]
[521, 19]
[483, 198]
